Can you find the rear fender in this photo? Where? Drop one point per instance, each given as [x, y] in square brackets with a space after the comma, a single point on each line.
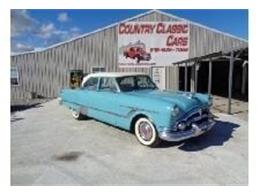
[76, 107]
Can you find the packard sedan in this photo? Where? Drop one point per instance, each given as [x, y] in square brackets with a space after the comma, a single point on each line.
[133, 102]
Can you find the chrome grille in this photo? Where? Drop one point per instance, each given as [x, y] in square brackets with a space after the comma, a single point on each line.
[195, 116]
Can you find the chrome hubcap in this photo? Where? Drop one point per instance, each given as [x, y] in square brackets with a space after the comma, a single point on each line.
[75, 114]
[145, 131]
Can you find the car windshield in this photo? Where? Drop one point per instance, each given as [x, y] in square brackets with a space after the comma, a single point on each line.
[132, 83]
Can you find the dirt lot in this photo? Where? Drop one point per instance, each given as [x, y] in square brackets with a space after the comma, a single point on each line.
[239, 108]
[48, 147]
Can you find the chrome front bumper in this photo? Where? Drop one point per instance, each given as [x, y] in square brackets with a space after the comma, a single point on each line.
[194, 131]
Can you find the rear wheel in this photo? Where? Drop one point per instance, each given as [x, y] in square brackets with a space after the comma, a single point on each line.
[146, 133]
[77, 115]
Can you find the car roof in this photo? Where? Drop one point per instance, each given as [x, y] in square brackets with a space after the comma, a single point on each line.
[114, 74]
[110, 74]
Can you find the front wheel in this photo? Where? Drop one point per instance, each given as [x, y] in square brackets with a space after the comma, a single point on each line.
[146, 133]
[77, 115]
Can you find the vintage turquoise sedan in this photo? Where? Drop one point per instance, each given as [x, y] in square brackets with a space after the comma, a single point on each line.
[133, 102]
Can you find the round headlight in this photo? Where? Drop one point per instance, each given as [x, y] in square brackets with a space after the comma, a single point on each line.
[175, 110]
[181, 126]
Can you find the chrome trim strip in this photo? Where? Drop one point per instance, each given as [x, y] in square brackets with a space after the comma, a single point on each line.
[132, 109]
[81, 107]
[137, 109]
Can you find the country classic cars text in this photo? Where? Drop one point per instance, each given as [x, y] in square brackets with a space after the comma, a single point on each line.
[178, 32]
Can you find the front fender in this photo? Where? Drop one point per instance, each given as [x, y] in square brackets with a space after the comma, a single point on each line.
[142, 113]
[159, 119]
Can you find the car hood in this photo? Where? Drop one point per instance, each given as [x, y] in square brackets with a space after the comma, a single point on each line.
[184, 100]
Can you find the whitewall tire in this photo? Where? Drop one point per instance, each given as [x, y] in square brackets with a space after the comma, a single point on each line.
[146, 133]
[76, 115]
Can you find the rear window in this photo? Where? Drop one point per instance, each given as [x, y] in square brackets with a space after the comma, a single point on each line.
[91, 83]
[131, 83]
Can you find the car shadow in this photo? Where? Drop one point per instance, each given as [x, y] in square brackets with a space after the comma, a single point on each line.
[15, 108]
[20, 107]
[86, 118]
[221, 133]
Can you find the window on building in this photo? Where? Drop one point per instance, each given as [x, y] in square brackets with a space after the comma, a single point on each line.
[76, 77]
[14, 76]
[98, 69]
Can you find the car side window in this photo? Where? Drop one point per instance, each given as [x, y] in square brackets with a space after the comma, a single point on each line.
[91, 83]
[126, 83]
[107, 84]
[144, 82]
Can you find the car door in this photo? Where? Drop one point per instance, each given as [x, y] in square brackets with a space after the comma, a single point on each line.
[86, 96]
[106, 100]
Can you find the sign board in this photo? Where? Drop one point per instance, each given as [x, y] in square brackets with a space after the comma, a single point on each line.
[158, 76]
[147, 44]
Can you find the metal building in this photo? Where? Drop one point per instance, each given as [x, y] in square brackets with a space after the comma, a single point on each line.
[45, 72]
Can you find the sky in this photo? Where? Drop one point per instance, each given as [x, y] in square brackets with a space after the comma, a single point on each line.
[38, 29]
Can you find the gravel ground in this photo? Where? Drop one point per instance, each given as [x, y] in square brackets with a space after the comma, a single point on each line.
[49, 147]
[239, 109]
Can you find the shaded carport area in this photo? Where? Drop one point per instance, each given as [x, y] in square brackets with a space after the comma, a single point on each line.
[222, 74]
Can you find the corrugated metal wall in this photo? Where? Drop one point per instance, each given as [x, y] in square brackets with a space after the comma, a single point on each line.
[47, 72]
[203, 41]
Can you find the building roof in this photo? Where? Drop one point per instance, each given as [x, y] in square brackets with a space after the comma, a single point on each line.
[127, 20]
